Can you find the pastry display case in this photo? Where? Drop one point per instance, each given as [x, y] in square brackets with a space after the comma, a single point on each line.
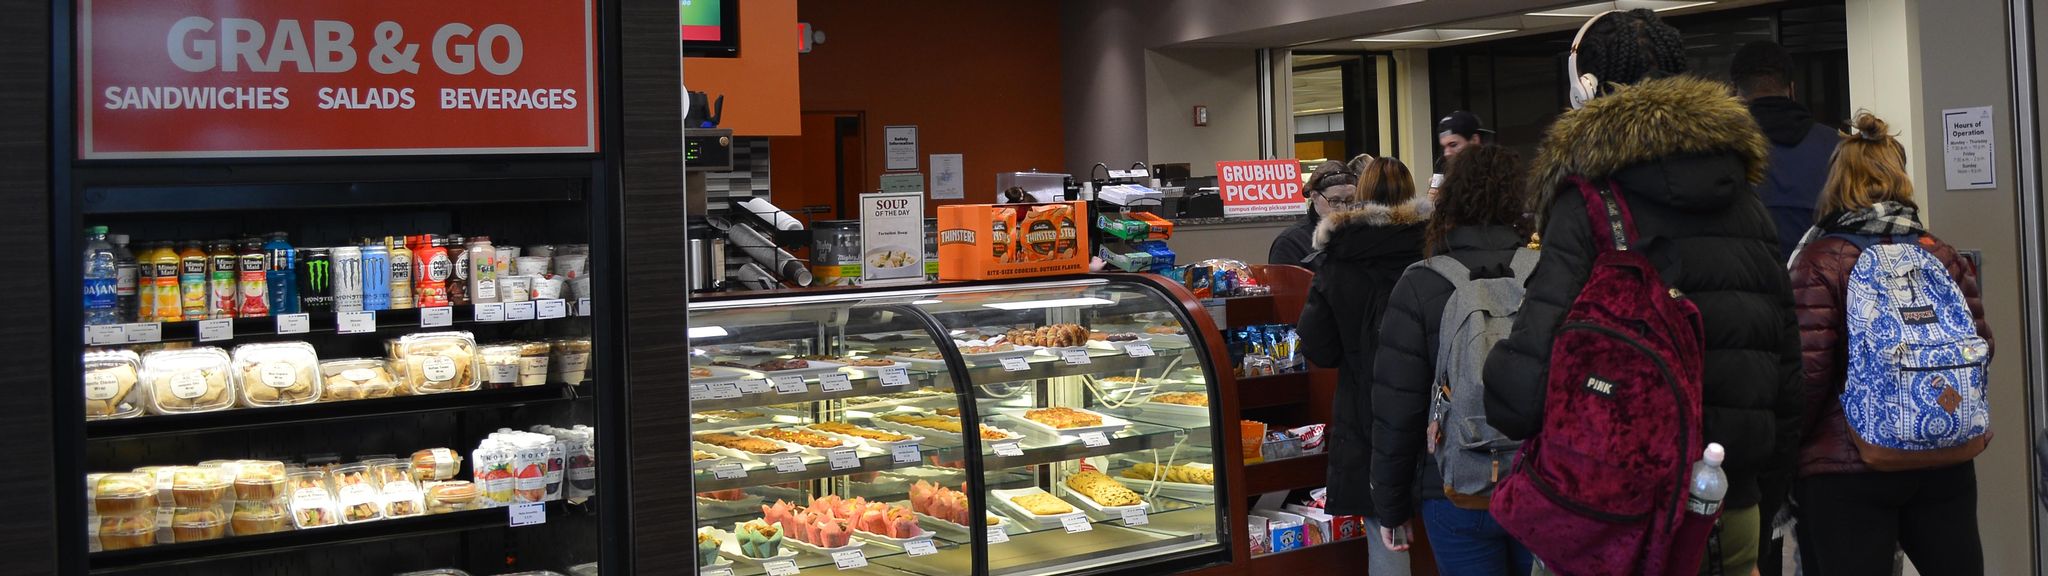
[832, 430]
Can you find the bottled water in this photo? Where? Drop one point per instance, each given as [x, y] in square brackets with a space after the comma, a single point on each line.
[101, 279]
[1709, 483]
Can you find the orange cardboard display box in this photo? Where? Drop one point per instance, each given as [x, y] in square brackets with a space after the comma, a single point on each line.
[986, 241]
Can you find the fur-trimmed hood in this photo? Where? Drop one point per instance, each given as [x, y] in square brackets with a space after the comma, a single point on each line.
[1373, 233]
[1373, 215]
[1648, 122]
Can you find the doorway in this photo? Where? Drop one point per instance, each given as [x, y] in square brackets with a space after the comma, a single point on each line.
[1341, 105]
[830, 166]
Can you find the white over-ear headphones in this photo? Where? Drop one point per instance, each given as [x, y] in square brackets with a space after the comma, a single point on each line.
[1585, 87]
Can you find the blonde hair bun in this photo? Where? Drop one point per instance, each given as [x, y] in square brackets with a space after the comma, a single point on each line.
[1869, 127]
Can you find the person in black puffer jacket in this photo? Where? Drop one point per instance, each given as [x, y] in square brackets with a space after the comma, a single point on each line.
[1362, 248]
[1685, 155]
[1477, 224]
[1294, 245]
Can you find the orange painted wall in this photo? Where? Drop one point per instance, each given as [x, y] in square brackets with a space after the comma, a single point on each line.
[760, 86]
[979, 78]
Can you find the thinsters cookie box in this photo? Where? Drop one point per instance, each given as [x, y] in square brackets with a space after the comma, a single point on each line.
[982, 241]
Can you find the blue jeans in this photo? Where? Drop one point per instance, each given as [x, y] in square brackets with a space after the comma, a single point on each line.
[1471, 543]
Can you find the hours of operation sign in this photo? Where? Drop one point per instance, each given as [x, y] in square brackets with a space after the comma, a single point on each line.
[247, 78]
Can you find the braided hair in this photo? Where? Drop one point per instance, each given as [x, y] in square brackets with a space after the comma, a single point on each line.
[1629, 47]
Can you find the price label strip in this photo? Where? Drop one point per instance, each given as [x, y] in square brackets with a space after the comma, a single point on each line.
[493, 312]
[724, 391]
[787, 464]
[754, 386]
[437, 317]
[729, 471]
[356, 322]
[550, 309]
[850, 559]
[1075, 357]
[920, 547]
[897, 376]
[904, 453]
[1138, 350]
[1076, 523]
[1008, 449]
[843, 459]
[519, 311]
[835, 382]
[699, 392]
[294, 323]
[1094, 439]
[715, 571]
[143, 333]
[106, 334]
[1136, 517]
[528, 514]
[996, 535]
[216, 330]
[780, 567]
[583, 307]
[790, 385]
[1016, 364]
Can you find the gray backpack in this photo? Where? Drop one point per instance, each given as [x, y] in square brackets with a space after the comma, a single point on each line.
[1470, 454]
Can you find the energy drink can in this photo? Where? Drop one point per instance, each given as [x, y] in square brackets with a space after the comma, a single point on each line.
[316, 281]
[348, 278]
[376, 277]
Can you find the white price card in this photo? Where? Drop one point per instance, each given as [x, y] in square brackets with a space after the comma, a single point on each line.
[850, 559]
[715, 571]
[437, 317]
[920, 547]
[843, 459]
[725, 391]
[294, 323]
[1094, 439]
[699, 392]
[789, 464]
[143, 332]
[1009, 448]
[583, 307]
[493, 312]
[356, 322]
[790, 384]
[780, 567]
[1138, 350]
[518, 311]
[550, 308]
[897, 376]
[729, 471]
[904, 453]
[835, 382]
[1016, 364]
[1136, 516]
[996, 535]
[1076, 523]
[529, 514]
[754, 386]
[216, 329]
[1075, 356]
[106, 334]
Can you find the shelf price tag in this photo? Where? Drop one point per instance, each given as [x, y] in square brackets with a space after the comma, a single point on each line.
[583, 307]
[1016, 364]
[904, 453]
[518, 311]
[843, 459]
[780, 567]
[835, 382]
[850, 559]
[216, 329]
[1008, 448]
[996, 534]
[724, 391]
[728, 471]
[897, 376]
[1136, 516]
[1075, 356]
[788, 464]
[791, 384]
[550, 308]
[715, 571]
[356, 322]
[920, 547]
[294, 323]
[699, 392]
[754, 386]
[106, 334]
[1076, 523]
[529, 514]
[1094, 439]
[1138, 350]
[144, 332]
[493, 312]
[437, 317]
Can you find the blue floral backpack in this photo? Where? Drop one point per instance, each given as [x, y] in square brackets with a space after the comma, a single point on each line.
[1917, 370]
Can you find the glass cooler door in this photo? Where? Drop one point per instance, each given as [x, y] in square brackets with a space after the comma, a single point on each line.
[1099, 441]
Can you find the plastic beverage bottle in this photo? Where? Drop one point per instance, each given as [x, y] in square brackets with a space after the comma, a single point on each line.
[126, 272]
[192, 277]
[281, 261]
[102, 304]
[254, 280]
[170, 307]
[401, 272]
[483, 272]
[1709, 483]
[145, 283]
[431, 270]
[458, 257]
[223, 268]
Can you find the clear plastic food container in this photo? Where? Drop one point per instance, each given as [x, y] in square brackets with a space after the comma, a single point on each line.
[571, 362]
[259, 480]
[399, 493]
[198, 524]
[123, 493]
[278, 374]
[261, 517]
[313, 504]
[194, 486]
[111, 385]
[436, 464]
[501, 365]
[451, 496]
[438, 362]
[188, 380]
[533, 363]
[356, 379]
[124, 532]
[355, 491]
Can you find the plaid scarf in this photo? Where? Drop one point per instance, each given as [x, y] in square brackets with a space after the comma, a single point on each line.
[1880, 219]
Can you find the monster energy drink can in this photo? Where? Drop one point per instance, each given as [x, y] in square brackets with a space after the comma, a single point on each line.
[348, 278]
[376, 277]
[316, 281]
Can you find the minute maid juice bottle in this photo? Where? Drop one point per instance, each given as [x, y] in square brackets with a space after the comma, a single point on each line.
[192, 278]
[170, 305]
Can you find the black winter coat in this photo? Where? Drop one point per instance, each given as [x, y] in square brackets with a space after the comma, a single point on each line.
[1361, 255]
[1684, 155]
[1294, 244]
[1405, 369]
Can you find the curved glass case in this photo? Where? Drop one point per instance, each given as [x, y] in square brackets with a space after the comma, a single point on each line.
[830, 423]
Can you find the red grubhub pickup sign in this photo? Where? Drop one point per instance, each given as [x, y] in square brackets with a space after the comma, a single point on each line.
[267, 78]
[1260, 187]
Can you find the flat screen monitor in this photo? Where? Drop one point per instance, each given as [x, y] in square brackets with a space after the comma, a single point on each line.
[711, 28]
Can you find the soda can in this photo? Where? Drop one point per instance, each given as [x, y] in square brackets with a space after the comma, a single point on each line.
[348, 278]
[316, 281]
[376, 277]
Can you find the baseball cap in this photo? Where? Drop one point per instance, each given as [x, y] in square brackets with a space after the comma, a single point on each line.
[1461, 123]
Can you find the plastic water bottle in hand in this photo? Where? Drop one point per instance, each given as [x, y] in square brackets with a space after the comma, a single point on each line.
[1709, 482]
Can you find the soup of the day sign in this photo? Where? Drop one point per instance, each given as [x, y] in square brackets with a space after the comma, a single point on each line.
[1260, 187]
[244, 78]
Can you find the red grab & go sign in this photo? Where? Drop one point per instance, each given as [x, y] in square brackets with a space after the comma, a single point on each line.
[248, 78]
[1260, 187]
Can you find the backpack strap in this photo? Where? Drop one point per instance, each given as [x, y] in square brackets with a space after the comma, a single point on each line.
[1613, 228]
[1448, 267]
[1524, 263]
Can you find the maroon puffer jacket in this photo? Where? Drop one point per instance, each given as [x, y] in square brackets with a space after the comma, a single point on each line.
[1818, 293]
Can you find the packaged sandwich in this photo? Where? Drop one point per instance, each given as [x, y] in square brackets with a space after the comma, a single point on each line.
[451, 496]
[110, 385]
[437, 362]
[278, 374]
[259, 480]
[188, 380]
[313, 504]
[435, 464]
[355, 491]
[356, 379]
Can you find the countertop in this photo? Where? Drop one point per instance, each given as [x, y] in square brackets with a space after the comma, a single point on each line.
[1237, 220]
